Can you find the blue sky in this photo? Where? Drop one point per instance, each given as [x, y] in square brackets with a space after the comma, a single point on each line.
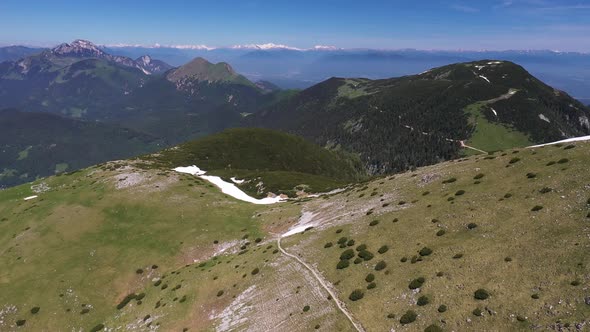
[387, 24]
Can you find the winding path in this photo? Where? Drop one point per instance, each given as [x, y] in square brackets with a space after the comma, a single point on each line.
[322, 282]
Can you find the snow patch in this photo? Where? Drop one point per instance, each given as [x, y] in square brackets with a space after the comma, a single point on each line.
[234, 180]
[480, 67]
[574, 139]
[495, 113]
[304, 222]
[494, 62]
[544, 118]
[485, 78]
[30, 197]
[228, 188]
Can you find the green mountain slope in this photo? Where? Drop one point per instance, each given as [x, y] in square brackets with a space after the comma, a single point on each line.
[40, 144]
[483, 243]
[268, 160]
[398, 123]
[202, 70]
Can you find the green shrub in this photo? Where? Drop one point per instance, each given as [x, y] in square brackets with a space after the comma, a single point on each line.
[450, 180]
[84, 311]
[342, 240]
[374, 222]
[220, 293]
[380, 266]
[350, 243]
[520, 318]
[537, 208]
[442, 308]
[409, 317]
[358, 260]
[481, 294]
[425, 193]
[383, 249]
[370, 277]
[328, 245]
[164, 286]
[403, 259]
[460, 192]
[126, 300]
[416, 283]
[531, 175]
[366, 255]
[140, 296]
[571, 146]
[575, 283]
[450, 199]
[440, 274]
[35, 310]
[401, 203]
[508, 195]
[423, 300]
[338, 231]
[545, 190]
[361, 247]
[342, 264]
[440, 232]
[356, 295]
[433, 328]
[508, 259]
[471, 225]
[535, 296]
[255, 271]
[550, 163]
[457, 256]
[183, 298]
[478, 176]
[257, 240]
[139, 271]
[514, 160]
[347, 254]
[390, 316]
[425, 251]
[563, 161]
[21, 322]
[97, 328]
[477, 312]
[306, 308]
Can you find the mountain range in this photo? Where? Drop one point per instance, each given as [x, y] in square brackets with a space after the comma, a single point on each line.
[391, 124]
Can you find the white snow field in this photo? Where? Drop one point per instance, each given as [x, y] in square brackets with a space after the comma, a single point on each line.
[226, 187]
[575, 139]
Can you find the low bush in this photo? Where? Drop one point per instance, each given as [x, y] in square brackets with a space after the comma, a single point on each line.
[374, 223]
[478, 176]
[342, 240]
[255, 271]
[440, 232]
[575, 283]
[370, 277]
[366, 255]
[126, 300]
[520, 318]
[338, 231]
[84, 311]
[550, 163]
[571, 146]
[328, 245]
[508, 259]
[401, 203]
[425, 193]
[423, 300]
[545, 190]
[450, 180]
[471, 225]
[416, 283]
[21, 322]
[383, 249]
[531, 175]
[481, 294]
[408, 317]
[433, 328]
[35, 310]
[347, 254]
[350, 243]
[425, 251]
[535, 296]
[514, 160]
[457, 256]
[563, 161]
[306, 308]
[380, 266]
[220, 293]
[342, 264]
[403, 259]
[508, 195]
[536, 208]
[442, 308]
[477, 312]
[361, 247]
[97, 328]
[356, 295]
[139, 271]
[358, 260]
[460, 192]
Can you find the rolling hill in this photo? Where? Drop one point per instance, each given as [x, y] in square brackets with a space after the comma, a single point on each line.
[36, 145]
[485, 242]
[395, 124]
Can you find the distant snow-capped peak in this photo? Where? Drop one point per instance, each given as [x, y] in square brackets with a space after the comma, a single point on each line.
[78, 46]
[267, 46]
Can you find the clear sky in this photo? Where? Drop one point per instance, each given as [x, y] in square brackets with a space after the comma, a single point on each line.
[387, 24]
